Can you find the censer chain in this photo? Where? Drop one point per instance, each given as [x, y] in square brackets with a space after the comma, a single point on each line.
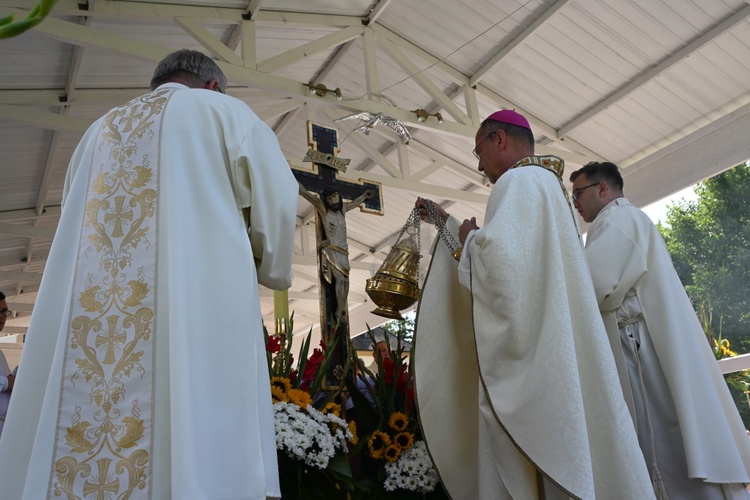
[445, 235]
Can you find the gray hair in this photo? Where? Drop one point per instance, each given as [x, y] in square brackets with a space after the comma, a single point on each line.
[195, 66]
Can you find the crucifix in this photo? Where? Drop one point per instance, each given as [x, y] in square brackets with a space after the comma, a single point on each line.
[332, 197]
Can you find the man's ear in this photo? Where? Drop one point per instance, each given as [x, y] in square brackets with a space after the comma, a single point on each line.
[501, 138]
[213, 85]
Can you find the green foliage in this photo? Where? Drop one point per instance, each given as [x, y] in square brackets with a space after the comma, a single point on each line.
[740, 381]
[709, 241]
[9, 28]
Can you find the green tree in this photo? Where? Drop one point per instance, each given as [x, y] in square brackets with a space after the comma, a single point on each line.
[709, 241]
[403, 329]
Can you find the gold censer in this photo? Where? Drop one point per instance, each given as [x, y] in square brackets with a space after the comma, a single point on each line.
[396, 284]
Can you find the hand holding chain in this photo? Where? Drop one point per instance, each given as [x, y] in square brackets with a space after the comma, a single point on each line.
[445, 235]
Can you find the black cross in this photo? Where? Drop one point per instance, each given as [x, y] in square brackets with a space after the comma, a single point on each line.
[325, 140]
[322, 176]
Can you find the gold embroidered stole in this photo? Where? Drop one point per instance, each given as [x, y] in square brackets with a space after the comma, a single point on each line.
[104, 436]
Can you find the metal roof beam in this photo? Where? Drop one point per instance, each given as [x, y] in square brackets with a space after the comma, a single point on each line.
[253, 7]
[26, 231]
[370, 60]
[279, 109]
[43, 119]
[376, 155]
[29, 213]
[20, 276]
[463, 80]
[507, 49]
[376, 11]
[313, 47]
[207, 40]
[90, 37]
[423, 81]
[648, 75]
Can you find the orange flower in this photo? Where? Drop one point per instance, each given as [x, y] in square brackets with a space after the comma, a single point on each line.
[282, 383]
[403, 440]
[332, 408]
[353, 430]
[299, 397]
[398, 421]
[392, 453]
[377, 444]
[277, 394]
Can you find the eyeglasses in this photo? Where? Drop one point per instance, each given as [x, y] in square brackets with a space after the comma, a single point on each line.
[577, 192]
[6, 312]
[476, 155]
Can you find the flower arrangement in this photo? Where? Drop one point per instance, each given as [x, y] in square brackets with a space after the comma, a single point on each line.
[312, 437]
[393, 458]
[363, 442]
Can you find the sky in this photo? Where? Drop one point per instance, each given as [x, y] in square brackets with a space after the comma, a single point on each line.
[658, 210]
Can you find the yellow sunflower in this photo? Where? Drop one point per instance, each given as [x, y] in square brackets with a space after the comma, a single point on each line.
[277, 394]
[299, 397]
[332, 408]
[392, 453]
[353, 430]
[398, 421]
[377, 444]
[281, 382]
[403, 440]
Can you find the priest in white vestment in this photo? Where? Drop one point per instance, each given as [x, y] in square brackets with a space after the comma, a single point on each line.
[516, 386]
[144, 372]
[7, 378]
[688, 427]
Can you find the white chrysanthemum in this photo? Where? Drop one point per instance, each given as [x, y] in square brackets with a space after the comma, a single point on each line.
[308, 435]
[412, 471]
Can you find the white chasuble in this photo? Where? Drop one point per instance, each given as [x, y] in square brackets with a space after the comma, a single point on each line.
[549, 419]
[144, 371]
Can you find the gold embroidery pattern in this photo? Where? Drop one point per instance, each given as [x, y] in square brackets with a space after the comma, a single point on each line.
[103, 442]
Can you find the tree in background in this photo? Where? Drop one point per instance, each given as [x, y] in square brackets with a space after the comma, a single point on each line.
[403, 329]
[709, 241]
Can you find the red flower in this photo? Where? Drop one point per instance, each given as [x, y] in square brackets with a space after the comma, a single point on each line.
[402, 379]
[311, 368]
[273, 345]
[388, 371]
